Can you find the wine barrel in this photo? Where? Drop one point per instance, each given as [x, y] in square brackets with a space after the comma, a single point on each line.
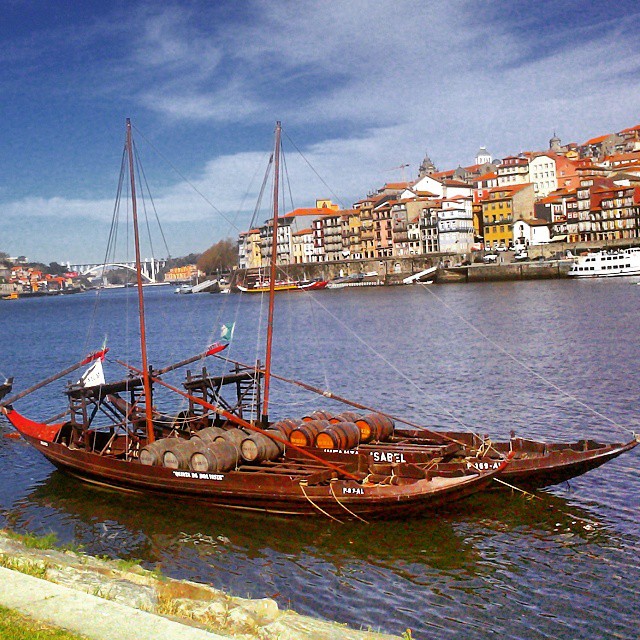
[177, 455]
[375, 426]
[276, 439]
[318, 415]
[215, 458]
[285, 427]
[305, 434]
[344, 435]
[233, 437]
[258, 447]
[209, 434]
[152, 453]
[345, 416]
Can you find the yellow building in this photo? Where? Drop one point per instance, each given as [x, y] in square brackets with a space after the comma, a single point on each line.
[501, 207]
[252, 249]
[186, 273]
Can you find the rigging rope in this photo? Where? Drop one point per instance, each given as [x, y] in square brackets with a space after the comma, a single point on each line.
[525, 366]
[302, 484]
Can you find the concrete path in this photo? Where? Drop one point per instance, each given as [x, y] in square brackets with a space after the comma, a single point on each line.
[88, 615]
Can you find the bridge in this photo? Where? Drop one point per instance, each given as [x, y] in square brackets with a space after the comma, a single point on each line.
[150, 268]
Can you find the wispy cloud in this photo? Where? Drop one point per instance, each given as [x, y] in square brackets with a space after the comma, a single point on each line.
[390, 80]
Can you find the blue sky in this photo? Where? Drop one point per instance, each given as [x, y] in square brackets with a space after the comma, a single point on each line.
[361, 87]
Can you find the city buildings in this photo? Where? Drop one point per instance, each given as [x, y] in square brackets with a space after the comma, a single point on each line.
[568, 192]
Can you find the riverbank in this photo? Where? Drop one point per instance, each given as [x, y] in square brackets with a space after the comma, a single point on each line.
[112, 599]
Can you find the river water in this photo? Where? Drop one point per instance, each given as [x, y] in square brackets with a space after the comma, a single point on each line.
[554, 359]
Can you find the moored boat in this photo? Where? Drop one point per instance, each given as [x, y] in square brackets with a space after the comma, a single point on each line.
[606, 264]
[214, 453]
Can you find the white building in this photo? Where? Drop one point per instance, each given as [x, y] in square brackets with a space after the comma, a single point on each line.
[542, 173]
[530, 232]
[455, 225]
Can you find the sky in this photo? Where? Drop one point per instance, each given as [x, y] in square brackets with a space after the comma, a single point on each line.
[362, 87]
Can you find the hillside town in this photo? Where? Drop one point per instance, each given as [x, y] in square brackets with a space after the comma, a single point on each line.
[570, 193]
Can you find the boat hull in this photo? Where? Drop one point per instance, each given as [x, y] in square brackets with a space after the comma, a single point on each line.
[288, 487]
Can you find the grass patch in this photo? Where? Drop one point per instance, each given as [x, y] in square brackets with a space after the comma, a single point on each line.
[30, 567]
[31, 541]
[127, 565]
[15, 626]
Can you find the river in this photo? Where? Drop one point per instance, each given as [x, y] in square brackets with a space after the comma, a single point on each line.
[556, 359]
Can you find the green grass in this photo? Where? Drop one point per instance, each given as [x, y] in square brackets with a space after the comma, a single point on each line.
[127, 565]
[15, 626]
[31, 568]
[32, 541]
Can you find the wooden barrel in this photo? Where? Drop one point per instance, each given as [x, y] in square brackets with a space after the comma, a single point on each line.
[277, 442]
[318, 415]
[343, 435]
[305, 434]
[209, 434]
[258, 447]
[233, 437]
[152, 453]
[345, 416]
[375, 426]
[285, 427]
[177, 455]
[215, 458]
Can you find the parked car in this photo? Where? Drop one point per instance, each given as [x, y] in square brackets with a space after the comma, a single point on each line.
[521, 256]
[490, 258]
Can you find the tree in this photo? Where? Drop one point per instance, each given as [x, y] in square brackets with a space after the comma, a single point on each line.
[56, 269]
[222, 256]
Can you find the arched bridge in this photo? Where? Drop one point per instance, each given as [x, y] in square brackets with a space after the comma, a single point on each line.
[149, 268]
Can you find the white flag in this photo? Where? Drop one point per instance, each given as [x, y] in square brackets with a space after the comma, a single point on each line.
[93, 376]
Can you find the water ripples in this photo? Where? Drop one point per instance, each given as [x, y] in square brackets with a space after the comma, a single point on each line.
[496, 564]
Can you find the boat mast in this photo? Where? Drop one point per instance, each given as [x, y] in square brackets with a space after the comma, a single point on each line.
[146, 381]
[272, 277]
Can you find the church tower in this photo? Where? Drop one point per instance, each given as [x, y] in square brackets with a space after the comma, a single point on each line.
[483, 156]
[427, 167]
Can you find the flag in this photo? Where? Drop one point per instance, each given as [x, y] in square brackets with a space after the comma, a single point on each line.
[93, 376]
[226, 331]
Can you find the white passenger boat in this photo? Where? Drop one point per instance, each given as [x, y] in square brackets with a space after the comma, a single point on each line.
[602, 264]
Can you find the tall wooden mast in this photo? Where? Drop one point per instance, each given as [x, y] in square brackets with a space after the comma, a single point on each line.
[146, 381]
[272, 277]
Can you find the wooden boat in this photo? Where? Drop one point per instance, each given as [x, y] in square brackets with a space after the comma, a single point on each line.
[263, 286]
[115, 437]
[533, 465]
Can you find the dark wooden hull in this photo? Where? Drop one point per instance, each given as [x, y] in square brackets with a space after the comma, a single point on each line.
[282, 487]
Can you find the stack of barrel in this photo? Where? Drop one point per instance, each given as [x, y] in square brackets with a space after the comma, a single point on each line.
[212, 450]
[343, 431]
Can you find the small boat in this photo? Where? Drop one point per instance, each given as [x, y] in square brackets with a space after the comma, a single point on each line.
[184, 289]
[12, 296]
[313, 285]
[606, 264]
[218, 452]
[369, 279]
[263, 286]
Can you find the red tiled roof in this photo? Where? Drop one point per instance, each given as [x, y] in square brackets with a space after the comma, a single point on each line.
[309, 211]
[598, 139]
